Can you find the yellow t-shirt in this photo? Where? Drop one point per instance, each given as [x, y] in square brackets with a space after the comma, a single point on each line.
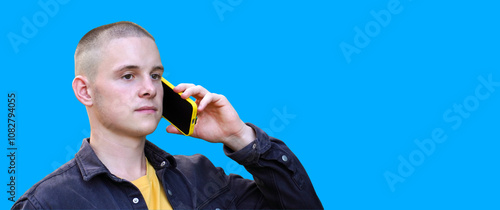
[152, 190]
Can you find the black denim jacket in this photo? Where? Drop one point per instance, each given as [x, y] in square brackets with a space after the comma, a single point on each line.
[190, 182]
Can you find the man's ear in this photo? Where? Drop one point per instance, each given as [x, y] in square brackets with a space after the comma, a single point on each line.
[82, 91]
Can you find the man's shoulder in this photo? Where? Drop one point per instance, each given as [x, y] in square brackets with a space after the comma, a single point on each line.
[54, 184]
[69, 172]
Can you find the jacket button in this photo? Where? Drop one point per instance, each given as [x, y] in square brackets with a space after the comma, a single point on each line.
[284, 158]
[162, 164]
[135, 200]
[169, 192]
[217, 209]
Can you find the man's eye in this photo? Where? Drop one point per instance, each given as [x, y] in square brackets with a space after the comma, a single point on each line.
[156, 76]
[127, 76]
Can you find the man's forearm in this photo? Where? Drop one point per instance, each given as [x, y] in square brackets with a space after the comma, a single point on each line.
[280, 176]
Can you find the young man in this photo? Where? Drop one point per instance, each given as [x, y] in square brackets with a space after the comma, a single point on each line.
[118, 78]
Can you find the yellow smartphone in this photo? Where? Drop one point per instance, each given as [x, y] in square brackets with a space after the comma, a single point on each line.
[180, 112]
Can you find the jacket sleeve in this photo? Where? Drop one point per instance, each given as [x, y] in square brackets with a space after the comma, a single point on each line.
[279, 176]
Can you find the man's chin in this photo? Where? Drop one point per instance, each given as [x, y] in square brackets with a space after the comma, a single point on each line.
[146, 128]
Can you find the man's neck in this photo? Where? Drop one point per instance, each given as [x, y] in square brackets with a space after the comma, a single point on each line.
[122, 155]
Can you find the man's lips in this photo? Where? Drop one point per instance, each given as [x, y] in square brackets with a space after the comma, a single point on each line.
[147, 109]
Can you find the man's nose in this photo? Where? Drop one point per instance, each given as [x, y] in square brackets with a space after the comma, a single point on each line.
[148, 88]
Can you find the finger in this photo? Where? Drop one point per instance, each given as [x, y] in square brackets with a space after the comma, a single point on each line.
[197, 91]
[214, 99]
[205, 101]
[172, 129]
[182, 87]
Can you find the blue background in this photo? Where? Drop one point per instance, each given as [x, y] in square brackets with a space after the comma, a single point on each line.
[352, 121]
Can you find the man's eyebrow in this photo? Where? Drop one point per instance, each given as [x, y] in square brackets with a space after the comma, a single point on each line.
[126, 67]
[158, 68]
[135, 67]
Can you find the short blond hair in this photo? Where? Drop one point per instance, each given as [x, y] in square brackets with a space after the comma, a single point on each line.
[88, 50]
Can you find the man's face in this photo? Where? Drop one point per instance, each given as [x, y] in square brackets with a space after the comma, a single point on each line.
[127, 91]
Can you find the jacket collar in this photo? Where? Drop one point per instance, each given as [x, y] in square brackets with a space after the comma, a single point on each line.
[90, 165]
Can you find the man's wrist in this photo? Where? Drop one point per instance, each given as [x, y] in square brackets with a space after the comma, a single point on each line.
[243, 138]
